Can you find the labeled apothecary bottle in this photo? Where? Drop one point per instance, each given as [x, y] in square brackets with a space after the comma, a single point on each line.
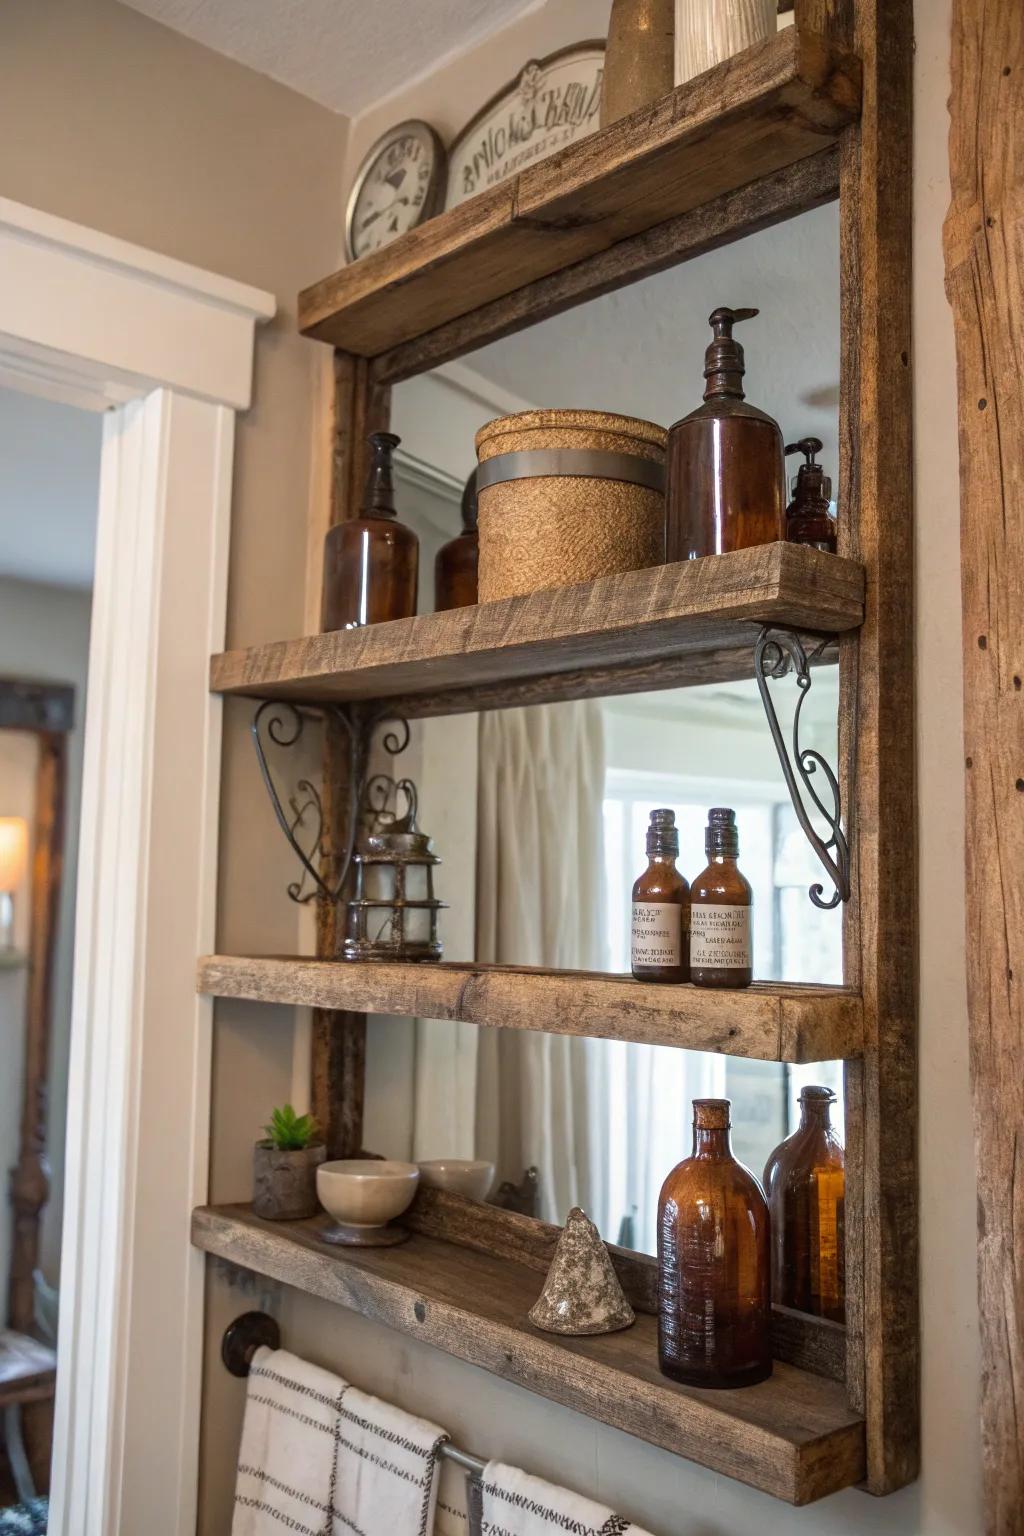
[660, 938]
[721, 910]
[714, 1308]
[372, 562]
[805, 1182]
[726, 476]
[455, 565]
[809, 517]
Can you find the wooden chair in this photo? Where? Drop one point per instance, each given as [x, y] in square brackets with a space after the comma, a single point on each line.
[28, 1374]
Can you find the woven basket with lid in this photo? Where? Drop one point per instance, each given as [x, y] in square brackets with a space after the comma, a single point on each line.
[584, 497]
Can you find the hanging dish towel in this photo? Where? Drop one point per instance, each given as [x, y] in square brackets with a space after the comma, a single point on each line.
[516, 1504]
[287, 1457]
[386, 1471]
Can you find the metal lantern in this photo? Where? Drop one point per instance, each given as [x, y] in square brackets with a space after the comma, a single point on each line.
[393, 914]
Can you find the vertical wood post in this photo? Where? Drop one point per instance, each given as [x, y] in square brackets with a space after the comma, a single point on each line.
[984, 248]
[875, 434]
[339, 1038]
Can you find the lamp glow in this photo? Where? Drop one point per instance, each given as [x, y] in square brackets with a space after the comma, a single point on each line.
[13, 864]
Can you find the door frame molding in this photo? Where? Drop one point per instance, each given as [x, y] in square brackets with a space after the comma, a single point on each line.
[166, 350]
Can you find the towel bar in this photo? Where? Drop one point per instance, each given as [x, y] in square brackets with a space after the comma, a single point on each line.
[251, 1330]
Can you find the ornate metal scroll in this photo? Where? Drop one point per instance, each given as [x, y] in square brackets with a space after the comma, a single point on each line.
[283, 725]
[775, 652]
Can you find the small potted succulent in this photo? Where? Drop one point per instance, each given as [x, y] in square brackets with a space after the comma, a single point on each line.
[284, 1167]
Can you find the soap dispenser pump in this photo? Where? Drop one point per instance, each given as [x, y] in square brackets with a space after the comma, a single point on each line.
[808, 517]
[726, 475]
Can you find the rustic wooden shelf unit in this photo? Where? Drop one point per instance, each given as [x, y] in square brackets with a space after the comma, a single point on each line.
[822, 111]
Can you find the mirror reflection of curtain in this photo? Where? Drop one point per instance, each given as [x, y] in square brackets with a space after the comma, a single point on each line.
[542, 1099]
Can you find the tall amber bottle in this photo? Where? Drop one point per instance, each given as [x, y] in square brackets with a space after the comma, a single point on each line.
[371, 563]
[726, 485]
[660, 937]
[721, 910]
[714, 1309]
[805, 1181]
[455, 565]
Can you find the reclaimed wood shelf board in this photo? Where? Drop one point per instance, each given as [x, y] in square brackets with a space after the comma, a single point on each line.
[792, 1436]
[764, 110]
[768, 1021]
[695, 621]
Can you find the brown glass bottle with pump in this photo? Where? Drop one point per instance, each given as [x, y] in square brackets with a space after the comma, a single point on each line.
[726, 476]
[455, 565]
[714, 1307]
[805, 1181]
[372, 562]
[808, 517]
[660, 942]
[721, 909]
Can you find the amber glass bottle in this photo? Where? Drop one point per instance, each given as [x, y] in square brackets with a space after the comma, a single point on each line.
[371, 563]
[714, 1311]
[455, 564]
[726, 484]
[805, 1181]
[808, 517]
[721, 938]
[660, 943]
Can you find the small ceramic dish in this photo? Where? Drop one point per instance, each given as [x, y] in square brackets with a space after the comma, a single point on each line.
[462, 1175]
[364, 1195]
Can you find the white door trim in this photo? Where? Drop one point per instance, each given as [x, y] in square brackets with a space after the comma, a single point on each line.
[90, 318]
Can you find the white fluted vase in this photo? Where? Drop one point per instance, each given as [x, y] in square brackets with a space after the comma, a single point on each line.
[708, 31]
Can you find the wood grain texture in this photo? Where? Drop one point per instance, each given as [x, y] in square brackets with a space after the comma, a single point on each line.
[792, 1436]
[984, 248]
[882, 1224]
[692, 607]
[768, 1021]
[777, 103]
[783, 194]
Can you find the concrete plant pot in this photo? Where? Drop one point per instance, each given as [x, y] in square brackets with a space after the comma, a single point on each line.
[284, 1183]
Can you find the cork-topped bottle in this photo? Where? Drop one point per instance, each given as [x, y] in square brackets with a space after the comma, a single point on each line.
[726, 475]
[660, 941]
[455, 565]
[809, 517]
[714, 1308]
[371, 562]
[721, 910]
[805, 1181]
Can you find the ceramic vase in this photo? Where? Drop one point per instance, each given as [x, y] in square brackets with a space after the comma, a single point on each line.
[284, 1183]
[709, 31]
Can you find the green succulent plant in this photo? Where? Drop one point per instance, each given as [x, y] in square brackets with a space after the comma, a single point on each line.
[289, 1132]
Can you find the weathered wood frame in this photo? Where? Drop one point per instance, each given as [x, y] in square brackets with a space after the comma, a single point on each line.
[867, 164]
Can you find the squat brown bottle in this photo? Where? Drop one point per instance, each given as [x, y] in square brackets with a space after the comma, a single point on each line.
[371, 562]
[805, 1181]
[808, 518]
[726, 484]
[660, 941]
[721, 937]
[455, 565]
[714, 1310]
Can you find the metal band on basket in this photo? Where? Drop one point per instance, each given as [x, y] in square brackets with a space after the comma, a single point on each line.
[533, 463]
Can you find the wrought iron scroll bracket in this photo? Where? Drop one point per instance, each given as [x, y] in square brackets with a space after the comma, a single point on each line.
[283, 724]
[775, 652]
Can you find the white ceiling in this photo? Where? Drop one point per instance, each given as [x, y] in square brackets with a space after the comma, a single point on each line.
[49, 490]
[345, 54]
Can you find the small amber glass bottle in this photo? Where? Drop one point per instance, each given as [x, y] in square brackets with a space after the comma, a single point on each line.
[721, 938]
[726, 486]
[714, 1310]
[805, 1181]
[372, 562]
[660, 943]
[809, 519]
[455, 565]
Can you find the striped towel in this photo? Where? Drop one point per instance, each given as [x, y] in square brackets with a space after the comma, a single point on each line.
[320, 1458]
[516, 1504]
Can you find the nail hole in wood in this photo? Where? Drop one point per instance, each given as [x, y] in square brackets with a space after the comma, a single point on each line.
[1016, 682]
[983, 642]
[982, 404]
[420, 1311]
[1020, 785]
[969, 762]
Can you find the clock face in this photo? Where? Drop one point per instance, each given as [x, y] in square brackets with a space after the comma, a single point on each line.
[397, 187]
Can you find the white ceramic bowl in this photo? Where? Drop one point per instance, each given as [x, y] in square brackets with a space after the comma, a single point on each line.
[366, 1192]
[463, 1175]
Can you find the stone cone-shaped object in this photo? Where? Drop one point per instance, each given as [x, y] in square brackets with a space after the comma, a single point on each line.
[582, 1293]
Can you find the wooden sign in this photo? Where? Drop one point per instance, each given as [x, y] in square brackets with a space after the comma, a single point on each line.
[553, 102]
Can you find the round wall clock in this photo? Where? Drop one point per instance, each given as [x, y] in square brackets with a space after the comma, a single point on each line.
[398, 185]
